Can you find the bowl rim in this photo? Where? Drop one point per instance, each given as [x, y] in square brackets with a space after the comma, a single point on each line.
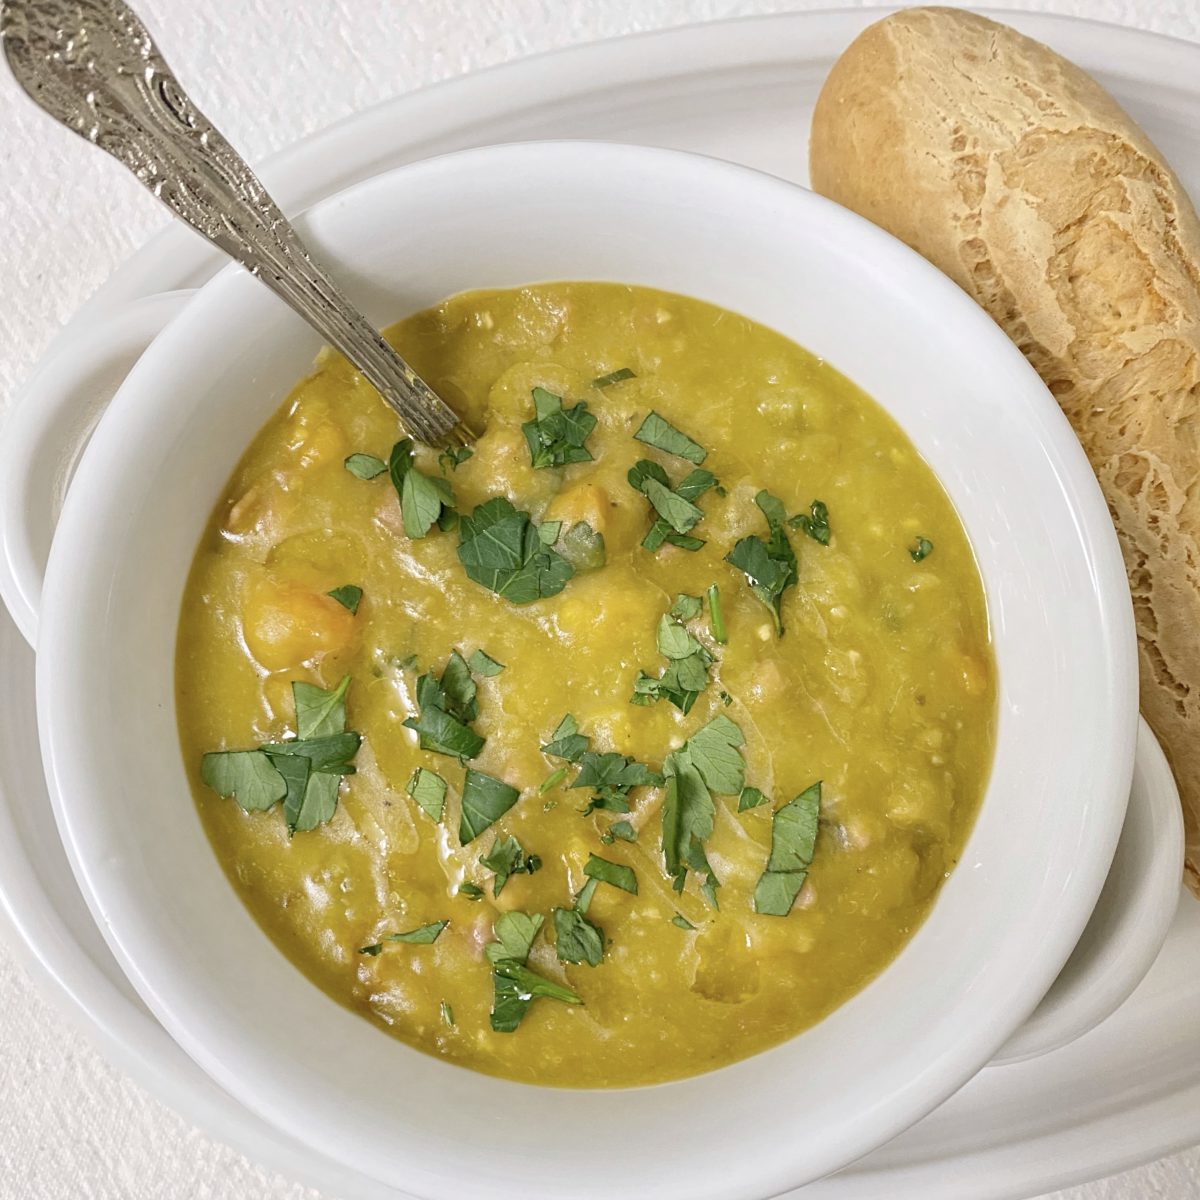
[65, 588]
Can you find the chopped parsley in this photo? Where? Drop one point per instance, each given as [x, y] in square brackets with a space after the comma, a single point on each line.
[693, 485]
[793, 840]
[566, 741]
[454, 457]
[583, 547]
[429, 791]
[681, 922]
[507, 857]
[716, 619]
[485, 800]
[305, 772]
[447, 1015]
[922, 549]
[576, 939]
[611, 776]
[556, 435]
[424, 500]
[484, 665]
[674, 508]
[425, 935]
[770, 566]
[658, 432]
[514, 985]
[499, 548]
[348, 596]
[365, 466]
[750, 798]
[446, 708]
[709, 761]
[246, 775]
[617, 376]
[472, 891]
[617, 874]
[815, 522]
[686, 675]
[551, 781]
[619, 829]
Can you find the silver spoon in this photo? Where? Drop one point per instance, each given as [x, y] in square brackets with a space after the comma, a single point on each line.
[92, 65]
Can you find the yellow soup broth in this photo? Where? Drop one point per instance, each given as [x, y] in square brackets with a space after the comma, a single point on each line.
[881, 687]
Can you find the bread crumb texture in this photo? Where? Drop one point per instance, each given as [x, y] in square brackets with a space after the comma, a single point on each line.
[1023, 180]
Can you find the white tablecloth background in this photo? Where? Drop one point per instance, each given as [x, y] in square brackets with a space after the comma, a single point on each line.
[270, 71]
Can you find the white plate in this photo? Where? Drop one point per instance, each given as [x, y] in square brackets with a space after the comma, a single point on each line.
[744, 90]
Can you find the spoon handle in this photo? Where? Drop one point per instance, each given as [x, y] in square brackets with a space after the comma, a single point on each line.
[92, 65]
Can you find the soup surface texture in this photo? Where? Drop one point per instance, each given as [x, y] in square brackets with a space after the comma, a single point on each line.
[712, 901]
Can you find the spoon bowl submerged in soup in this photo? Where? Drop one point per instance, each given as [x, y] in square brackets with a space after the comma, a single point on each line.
[624, 747]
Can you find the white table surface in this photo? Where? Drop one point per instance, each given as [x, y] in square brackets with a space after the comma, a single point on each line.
[270, 71]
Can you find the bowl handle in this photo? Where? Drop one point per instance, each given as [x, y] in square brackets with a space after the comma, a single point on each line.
[49, 427]
[1130, 921]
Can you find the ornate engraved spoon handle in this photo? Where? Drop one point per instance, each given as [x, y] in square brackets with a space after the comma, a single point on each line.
[92, 65]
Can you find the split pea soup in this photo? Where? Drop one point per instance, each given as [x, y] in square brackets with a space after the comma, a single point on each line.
[628, 742]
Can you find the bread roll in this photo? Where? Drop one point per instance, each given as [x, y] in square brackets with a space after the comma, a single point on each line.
[1024, 181]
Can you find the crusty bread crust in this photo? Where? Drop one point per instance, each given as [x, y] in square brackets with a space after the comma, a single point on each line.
[1021, 178]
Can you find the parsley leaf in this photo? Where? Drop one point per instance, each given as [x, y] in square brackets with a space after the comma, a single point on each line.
[514, 985]
[447, 1015]
[426, 935]
[617, 376]
[566, 741]
[556, 435]
[693, 485]
[456, 691]
[681, 922]
[365, 466]
[658, 432]
[769, 567]
[507, 857]
[714, 750]
[619, 829]
[472, 891]
[583, 547]
[445, 708]
[583, 901]
[304, 772]
[499, 548]
[576, 939]
[709, 761]
[923, 549]
[454, 457]
[686, 676]
[677, 510]
[484, 664]
[422, 498]
[611, 776]
[348, 596]
[750, 798]
[246, 775]
[320, 712]
[516, 932]
[485, 800]
[815, 522]
[793, 841]
[672, 637]
[610, 872]
[429, 791]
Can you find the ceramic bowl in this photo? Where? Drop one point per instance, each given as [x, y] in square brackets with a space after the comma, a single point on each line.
[1008, 916]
